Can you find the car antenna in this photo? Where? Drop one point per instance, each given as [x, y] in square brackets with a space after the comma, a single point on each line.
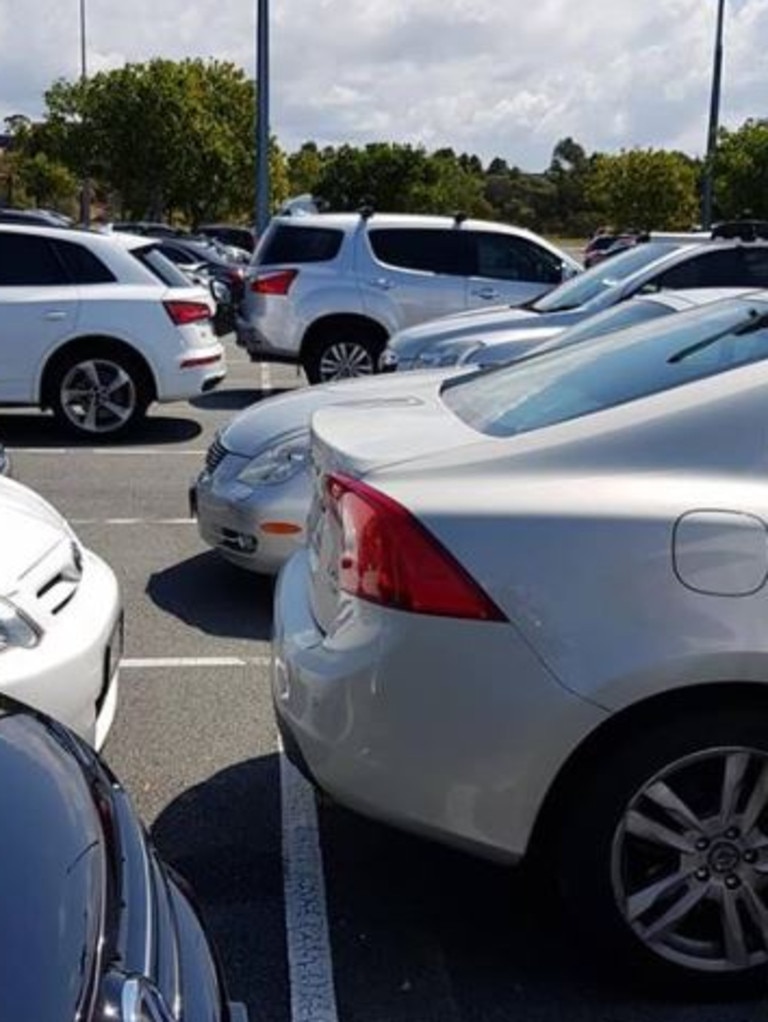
[459, 218]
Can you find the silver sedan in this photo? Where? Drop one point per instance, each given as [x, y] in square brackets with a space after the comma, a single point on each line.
[530, 622]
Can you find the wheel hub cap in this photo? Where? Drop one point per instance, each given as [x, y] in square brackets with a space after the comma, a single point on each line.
[690, 861]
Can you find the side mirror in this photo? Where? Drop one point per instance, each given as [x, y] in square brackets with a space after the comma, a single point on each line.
[221, 292]
[568, 271]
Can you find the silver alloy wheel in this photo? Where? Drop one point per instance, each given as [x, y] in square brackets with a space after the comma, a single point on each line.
[345, 359]
[97, 395]
[690, 861]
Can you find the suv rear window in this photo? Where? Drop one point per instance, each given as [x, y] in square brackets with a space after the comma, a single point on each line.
[159, 266]
[429, 250]
[289, 244]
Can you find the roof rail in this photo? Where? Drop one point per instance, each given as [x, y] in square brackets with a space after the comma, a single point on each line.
[744, 230]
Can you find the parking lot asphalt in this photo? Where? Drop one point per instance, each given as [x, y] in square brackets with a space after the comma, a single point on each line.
[418, 933]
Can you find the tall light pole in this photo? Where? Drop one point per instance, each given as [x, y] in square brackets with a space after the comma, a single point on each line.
[85, 186]
[714, 118]
[262, 115]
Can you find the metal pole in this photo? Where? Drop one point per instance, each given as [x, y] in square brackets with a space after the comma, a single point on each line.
[714, 117]
[262, 116]
[85, 188]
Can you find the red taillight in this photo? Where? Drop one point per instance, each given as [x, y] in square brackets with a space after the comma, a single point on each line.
[277, 283]
[388, 557]
[187, 312]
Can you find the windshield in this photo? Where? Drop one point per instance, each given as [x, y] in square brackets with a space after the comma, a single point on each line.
[606, 372]
[618, 317]
[588, 285]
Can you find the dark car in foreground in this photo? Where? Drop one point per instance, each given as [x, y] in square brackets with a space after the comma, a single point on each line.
[94, 926]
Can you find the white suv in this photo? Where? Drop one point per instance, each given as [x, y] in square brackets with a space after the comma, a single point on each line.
[327, 290]
[97, 326]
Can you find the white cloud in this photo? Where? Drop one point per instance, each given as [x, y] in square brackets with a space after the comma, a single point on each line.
[494, 77]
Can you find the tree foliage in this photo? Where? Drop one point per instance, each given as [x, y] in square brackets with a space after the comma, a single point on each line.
[177, 139]
[644, 189]
[164, 135]
[741, 171]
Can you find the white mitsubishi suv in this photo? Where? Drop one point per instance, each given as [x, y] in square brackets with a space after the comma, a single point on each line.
[326, 290]
[96, 327]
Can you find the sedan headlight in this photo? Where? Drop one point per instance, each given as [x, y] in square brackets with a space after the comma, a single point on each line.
[282, 460]
[439, 356]
[15, 629]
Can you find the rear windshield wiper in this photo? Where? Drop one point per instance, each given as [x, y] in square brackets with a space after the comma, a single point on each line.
[755, 322]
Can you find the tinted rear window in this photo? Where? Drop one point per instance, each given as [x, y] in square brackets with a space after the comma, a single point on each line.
[430, 250]
[289, 244]
[82, 265]
[611, 371]
[28, 260]
[163, 269]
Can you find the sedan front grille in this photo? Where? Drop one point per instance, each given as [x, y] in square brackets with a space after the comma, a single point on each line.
[216, 454]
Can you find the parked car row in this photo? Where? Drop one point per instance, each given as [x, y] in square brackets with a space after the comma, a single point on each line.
[527, 621]
[565, 553]
[95, 926]
[520, 596]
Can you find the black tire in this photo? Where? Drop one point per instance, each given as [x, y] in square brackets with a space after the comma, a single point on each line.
[98, 392]
[623, 877]
[344, 352]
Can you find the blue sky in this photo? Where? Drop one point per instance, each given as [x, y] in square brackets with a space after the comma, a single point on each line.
[492, 77]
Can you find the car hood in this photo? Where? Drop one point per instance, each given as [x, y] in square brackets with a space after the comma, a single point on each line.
[29, 529]
[262, 423]
[53, 872]
[407, 344]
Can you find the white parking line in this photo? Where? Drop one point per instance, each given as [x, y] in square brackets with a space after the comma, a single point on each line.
[132, 521]
[130, 451]
[310, 965]
[145, 663]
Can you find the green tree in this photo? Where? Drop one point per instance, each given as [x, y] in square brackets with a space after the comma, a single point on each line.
[304, 169]
[644, 189]
[400, 178]
[741, 171]
[166, 136]
[46, 182]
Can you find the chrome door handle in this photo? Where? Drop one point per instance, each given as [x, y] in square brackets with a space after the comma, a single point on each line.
[486, 292]
[382, 283]
[56, 314]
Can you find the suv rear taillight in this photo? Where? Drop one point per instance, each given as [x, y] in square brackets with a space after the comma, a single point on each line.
[390, 558]
[183, 313]
[275, 283]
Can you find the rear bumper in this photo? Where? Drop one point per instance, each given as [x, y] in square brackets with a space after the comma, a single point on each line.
[195, 371]
[452, 729]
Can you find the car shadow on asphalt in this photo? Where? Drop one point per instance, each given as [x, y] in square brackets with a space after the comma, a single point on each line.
[223, 837]
[233, 399]
[37, 429]
[411, 917]
[214, 597]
